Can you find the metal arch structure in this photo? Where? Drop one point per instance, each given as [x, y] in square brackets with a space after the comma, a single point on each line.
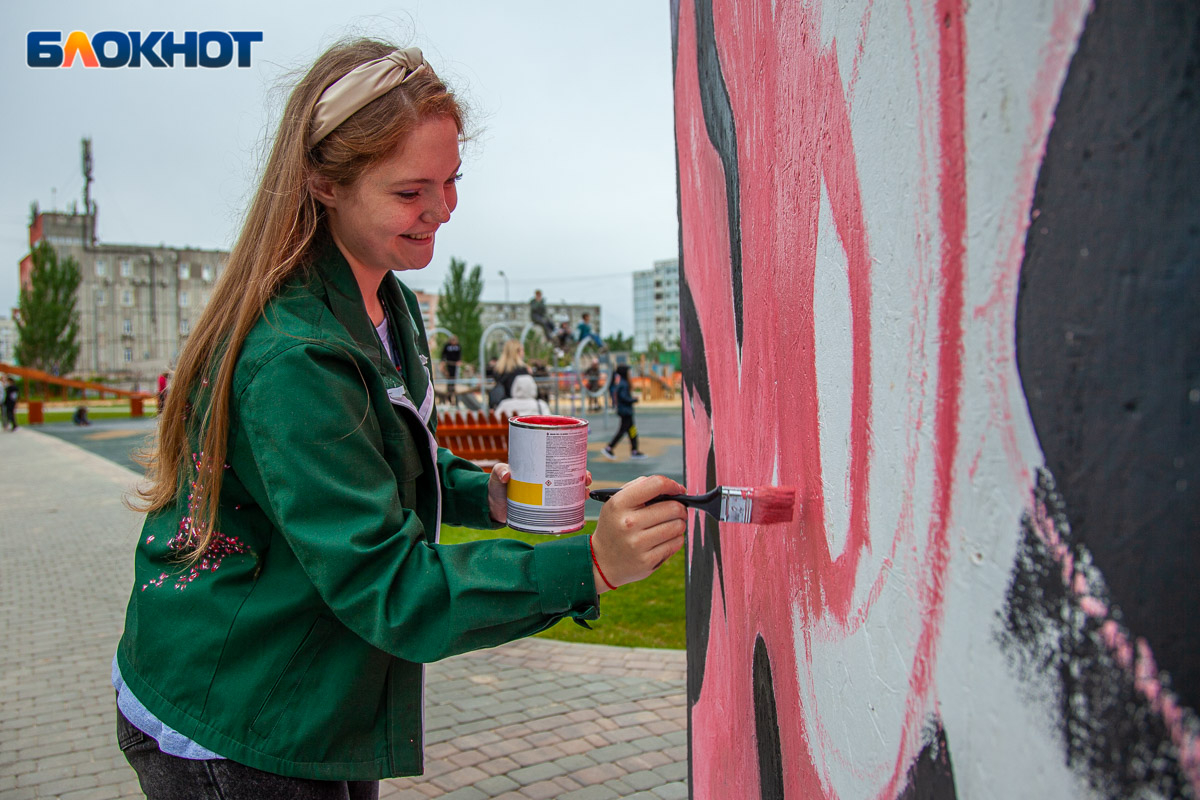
[607, 361]
[429, 334]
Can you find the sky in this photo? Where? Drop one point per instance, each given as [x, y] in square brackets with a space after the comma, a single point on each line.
[568, 180]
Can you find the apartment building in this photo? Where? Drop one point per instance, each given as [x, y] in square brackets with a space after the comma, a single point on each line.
[136, 303]
[656, 305]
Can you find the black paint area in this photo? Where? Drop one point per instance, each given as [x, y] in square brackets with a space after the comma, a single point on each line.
[1108, 317]
[704, 565]
[1110, 733]
[718, 120]
[931, 775]
[674, 6]
[691, 344]
[766, 726]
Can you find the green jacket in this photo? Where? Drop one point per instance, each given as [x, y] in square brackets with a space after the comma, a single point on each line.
[296, 645]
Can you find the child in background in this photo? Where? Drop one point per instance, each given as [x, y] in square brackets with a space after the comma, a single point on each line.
[623, 399]
[584, 331]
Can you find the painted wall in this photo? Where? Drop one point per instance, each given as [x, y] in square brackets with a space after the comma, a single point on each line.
[939, 270]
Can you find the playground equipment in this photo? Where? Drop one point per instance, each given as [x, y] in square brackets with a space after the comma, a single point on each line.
[604, 361]
[35, 407]
[567, 388]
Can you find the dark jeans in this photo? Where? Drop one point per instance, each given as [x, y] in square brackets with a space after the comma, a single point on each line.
[627, 426]
[545, 324]
[167, 777]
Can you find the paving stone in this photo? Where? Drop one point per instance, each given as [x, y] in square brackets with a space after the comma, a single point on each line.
[496, 784]
[675, 771]
[537, 772]
[95, 793]
[591, 793]
[574, 763]
[644, 779]
[550, 712]
[672, 791]
[613, 752]
[466, 793]
[619, 786]
[459, 778]
[598, 773]
[498, 766]
[542, 790]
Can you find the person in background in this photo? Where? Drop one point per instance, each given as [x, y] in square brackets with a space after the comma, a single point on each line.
[510, 364]
[563, 339]
[622, 396]
[11, 394]
[289, 583]
[584, 332]
[592, 378]
[538, 315]
[524, 399]
[162, 392]
[451, 355]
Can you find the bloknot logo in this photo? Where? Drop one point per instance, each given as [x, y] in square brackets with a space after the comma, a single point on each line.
[114, 49]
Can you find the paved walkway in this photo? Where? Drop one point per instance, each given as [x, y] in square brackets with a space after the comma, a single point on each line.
[533, 719]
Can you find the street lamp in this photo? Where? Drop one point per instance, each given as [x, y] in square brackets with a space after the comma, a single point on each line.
[502, 275]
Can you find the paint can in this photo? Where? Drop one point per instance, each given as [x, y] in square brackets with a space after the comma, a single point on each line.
[548, 458]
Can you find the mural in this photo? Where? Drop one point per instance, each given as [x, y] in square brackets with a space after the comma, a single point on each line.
[939, 271]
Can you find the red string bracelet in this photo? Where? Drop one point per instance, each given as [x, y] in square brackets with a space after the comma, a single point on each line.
[592, 550]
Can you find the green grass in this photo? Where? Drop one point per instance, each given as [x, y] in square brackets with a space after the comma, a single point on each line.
[648, 613]
[94, 413]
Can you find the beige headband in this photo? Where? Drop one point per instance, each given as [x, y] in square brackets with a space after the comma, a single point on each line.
[360, 86]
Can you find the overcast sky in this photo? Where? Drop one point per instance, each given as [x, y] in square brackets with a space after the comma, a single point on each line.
[569, 185]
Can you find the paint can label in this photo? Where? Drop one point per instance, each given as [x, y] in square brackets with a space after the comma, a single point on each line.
[548, 458]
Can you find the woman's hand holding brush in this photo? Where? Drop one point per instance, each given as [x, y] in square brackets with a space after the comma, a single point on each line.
[634, 536]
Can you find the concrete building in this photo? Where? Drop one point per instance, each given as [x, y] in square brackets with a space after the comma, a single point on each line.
[517, 314]
[8, 340]
[428, 304]
[136, 303]
[656, 305]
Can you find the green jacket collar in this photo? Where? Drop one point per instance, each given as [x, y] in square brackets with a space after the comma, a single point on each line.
[336, 281]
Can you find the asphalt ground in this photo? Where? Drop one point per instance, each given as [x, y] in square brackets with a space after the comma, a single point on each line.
[532, 719]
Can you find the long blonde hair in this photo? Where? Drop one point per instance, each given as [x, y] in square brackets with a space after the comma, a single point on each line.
[275, 242]
[511, 357]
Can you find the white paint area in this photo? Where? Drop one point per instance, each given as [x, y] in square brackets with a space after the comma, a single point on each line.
[855, 676]
[834, 365]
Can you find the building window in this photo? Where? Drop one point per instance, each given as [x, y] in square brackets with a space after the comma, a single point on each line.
[126, 268]
[206, 273]
[128, 355]
[101, 268]
[183, 299]
[127, 327]
[185, 271]
[183, 327]
[101, 297]
[126, 297]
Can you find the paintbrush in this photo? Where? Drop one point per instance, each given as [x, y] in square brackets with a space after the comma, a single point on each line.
[760, 505]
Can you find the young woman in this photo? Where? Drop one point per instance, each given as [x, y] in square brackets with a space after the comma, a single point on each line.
[510, 364]
[289, 584]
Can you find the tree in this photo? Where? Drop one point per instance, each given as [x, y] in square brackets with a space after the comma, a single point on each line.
[619, 343]
[47, 322]
[458, 307]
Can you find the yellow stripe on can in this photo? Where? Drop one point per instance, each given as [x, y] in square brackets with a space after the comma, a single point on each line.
[522, 492]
